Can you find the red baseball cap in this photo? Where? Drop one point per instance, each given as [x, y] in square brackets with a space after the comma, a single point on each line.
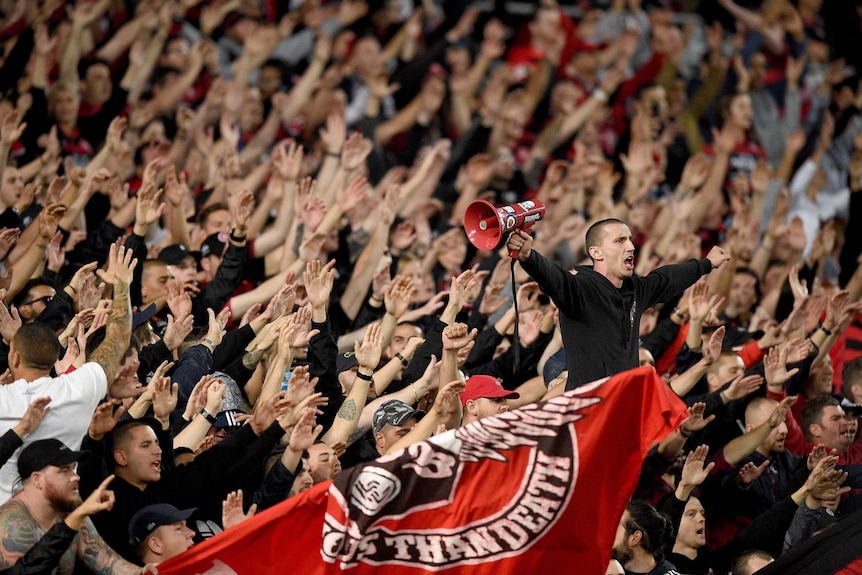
[487, 387]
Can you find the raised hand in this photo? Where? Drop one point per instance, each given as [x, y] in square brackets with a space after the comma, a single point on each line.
[334, 133]
[318, 282]
[48, 220]
[368, 353]
[355, 150]
[215, 330]
[749, 472]
[696, 421]
[288, 161]
[712, 348]
[165, 396]
[125, 383]
[304, 432]
[529, 326]
[300, 329]
[10, 322]
[460, 289]
[34, 415]
[694, 472]
[8, 238]
[717, 256]
[266, 412]
[399, 295]
[775, 368]
[299, 386]
[104, 419]
[281, 302]
[102, 499]
[121, 266]
[778, 415]
[743, 386]
[10, 129]
[177, 331]
[178, 299]
[492, 300]
[448, 398]
[232, 513]
[350, 196]
[148, 209]
[290, 417]
[215, 394]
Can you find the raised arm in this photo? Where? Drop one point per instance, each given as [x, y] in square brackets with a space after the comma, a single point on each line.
[119, 274]
[368, 356]
[740, 447]
[98, 557]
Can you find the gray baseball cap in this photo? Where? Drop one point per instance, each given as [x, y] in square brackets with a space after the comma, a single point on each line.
[394, 412]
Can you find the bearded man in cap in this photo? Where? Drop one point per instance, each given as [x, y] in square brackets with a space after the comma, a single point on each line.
[46, 526]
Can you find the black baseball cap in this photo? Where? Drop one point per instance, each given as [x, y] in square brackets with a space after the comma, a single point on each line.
[44, 452]
[215, 244]
[345, 361]
[175, 254]
[151, 517]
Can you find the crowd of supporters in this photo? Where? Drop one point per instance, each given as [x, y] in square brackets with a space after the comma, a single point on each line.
[233, 261]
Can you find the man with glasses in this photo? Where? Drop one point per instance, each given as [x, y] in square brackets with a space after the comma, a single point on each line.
[34, 299]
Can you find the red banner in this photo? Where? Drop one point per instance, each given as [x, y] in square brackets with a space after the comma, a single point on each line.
[534, 489]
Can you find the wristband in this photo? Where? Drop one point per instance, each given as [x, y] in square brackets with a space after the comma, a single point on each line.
[401, 359]
[828, 332]
[237, 239]
[210, 342]
[415, 395]
[364, 376]
[678, 313]
[600, 95]
[333, 154]
[683, 432]
[208, 416]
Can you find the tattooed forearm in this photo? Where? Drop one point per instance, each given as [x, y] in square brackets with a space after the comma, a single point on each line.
[252, 358]
[348, 410]
[118, 332]
[357, 433]
[98, 557]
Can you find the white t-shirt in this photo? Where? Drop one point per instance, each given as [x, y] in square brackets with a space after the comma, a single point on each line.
[74, 398]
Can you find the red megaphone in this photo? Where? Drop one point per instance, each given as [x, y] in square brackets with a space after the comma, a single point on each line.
[486, 225]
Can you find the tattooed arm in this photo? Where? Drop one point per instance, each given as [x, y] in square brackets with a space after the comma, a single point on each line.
[110, 352]
[368, 356]
[99, 558]
[24, 551]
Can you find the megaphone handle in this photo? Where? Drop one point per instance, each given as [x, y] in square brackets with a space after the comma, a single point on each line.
[527, 229]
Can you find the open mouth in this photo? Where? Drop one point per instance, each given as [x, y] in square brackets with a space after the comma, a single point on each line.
[629, 262]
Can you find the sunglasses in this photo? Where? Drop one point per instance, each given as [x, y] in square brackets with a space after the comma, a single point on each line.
[47, 299]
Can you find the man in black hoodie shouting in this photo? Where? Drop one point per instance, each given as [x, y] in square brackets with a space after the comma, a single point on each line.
[601, 305]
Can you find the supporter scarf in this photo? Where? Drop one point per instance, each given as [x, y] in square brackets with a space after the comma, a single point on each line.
[538, 489]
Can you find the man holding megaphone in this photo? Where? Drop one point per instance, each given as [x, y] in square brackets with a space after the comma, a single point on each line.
[601, 305]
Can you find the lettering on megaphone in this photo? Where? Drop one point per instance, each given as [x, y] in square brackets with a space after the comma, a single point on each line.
[486, 224]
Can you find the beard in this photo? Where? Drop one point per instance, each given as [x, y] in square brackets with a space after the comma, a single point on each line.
[622, 553]
[61, 502]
